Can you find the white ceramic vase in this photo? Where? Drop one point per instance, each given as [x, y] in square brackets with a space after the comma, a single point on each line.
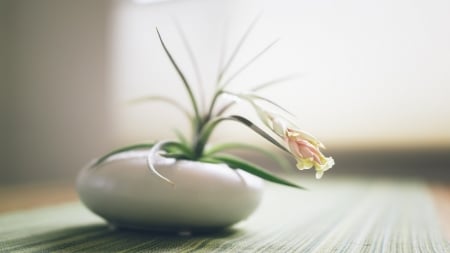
[204, 196]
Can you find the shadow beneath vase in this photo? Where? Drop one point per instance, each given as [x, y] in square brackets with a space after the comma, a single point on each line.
[104, 237]
[174, 233]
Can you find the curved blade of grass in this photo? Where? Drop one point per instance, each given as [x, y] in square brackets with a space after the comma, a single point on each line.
[181, 75]
[237, 48]
[228, 146]
[121, 150]
[255, 170]
[247, 64]
[151, 155]
[193, 61]
[274, 82]
[162, 99]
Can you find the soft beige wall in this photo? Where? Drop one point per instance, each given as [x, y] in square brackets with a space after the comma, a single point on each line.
[57, 101]
[3, 81]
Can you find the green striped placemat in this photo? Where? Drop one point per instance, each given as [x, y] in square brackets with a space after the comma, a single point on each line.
[333, 216]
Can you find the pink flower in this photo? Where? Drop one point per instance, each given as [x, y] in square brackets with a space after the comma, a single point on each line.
[303, 146]
[307, 153]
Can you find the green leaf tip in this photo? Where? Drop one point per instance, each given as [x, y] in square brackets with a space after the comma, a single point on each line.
[255, 170]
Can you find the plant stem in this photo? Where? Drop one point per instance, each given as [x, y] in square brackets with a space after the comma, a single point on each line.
[200, 139]
[203, 135]
[213, 103]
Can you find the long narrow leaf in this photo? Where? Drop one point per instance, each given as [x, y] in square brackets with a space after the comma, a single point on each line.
[274, 82]
[250, 97]
[162, 99]
[223, 49]
[181, 75]
[247, 64]
[237, 48]
[180, 148]
[208, 129]
[258, 130]
[193, 60]
[224, 108]
[230, 146]
[121, 150]
[255, 170]
[272, 103]
[177, 156]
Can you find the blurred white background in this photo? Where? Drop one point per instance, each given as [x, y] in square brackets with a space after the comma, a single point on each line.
[374, 74]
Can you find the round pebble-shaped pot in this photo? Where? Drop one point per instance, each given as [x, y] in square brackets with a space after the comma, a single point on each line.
[204, 196]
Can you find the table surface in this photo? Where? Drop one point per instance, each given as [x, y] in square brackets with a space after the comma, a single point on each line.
[25, 197]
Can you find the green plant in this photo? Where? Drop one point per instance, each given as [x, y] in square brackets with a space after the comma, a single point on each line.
[304, 147]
